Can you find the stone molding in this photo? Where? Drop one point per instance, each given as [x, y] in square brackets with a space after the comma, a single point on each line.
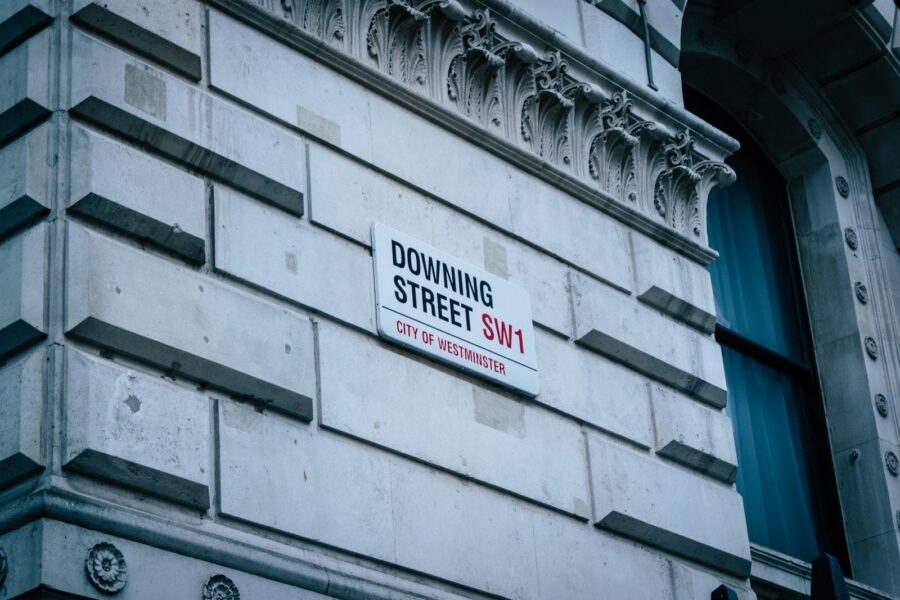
[647, 163]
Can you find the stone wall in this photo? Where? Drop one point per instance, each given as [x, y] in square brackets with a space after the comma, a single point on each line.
[192, 369]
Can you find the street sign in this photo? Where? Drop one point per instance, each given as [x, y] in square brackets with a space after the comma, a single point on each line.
[452, 311]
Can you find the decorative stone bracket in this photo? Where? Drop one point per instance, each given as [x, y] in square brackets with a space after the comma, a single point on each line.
[457, 58]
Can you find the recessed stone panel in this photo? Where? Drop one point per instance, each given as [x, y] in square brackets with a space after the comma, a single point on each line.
[624, 330]
[692, 434]
[24, 86]
[170, 214]
[190, 325]
[421, 410]
[166, 32]
[22, 385]
[154, 109]
[661, 505]
[287, 256]
[135, 430]
[23, 297]
[25, 179]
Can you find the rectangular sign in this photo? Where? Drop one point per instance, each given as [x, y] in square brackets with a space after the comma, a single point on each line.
[452, 311]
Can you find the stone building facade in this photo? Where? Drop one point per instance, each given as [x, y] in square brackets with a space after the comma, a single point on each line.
[195, 401]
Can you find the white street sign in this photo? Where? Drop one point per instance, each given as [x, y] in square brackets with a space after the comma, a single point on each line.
[452, 311]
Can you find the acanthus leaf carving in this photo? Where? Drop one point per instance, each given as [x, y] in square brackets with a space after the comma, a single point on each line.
[457, 56]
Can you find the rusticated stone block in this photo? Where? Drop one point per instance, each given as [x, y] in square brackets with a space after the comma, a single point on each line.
[127, 301]
[663, 506]
[418, 410]
[272, 250]
[25, 180]
[20, 19]
[673, 284]
[21, 409]
[624, 330]
[170, 214]
[135, 430]
[124, 95]
[609, 396]
[693, 435]
[24, 87]
[23, 298]
[166, 32]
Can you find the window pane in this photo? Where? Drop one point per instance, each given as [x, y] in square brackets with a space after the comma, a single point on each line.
[764, 408]
[752, 277]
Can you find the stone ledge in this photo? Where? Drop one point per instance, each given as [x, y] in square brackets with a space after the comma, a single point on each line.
[122, 299]
[20, 19]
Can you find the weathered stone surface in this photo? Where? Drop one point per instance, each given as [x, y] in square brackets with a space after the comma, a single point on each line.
[170, 214]
[347, 197]
[424, 412]
[691, 584]
[24, 573]
[693, 435]
[626, 331]
[475, 536]
[593, 389]
[287, 256]
[391, 138]
[575, 563]
[126, 427]
[122, 94]
[20, 19]
[168, 33]
[280, 474]
[23, 297]
[24, 87]
[127, 301]
[25, 180]
[673, 284]
[294, 89]
[21, 409]
[663, 506]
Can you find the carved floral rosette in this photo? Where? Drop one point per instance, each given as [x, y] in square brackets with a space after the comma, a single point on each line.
[220, 587]
[456, 57]
[106, 568]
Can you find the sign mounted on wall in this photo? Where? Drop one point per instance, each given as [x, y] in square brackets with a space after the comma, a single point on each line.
[452, 311]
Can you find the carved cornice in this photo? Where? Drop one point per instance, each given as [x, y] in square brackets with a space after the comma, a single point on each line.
[591, 136]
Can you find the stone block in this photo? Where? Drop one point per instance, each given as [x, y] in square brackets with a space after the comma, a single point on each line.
[23, 283]
[294, 89]
[287, 256]
[418, 410]
[25, 179]
[666, 507]
[135, 430]
[561, 15]
[593, 389]
[24, 573]
[168, 33]
[279, 474]
[22, 386]
[626, 331]
[128, 97]
[376, 198]
[577, 563]
[130, 302]
[463, 532]
[24, 87]
[20, 19]
[673, 284]
[578, 230]
[864, 486]
[170, 214]
[693, 435]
